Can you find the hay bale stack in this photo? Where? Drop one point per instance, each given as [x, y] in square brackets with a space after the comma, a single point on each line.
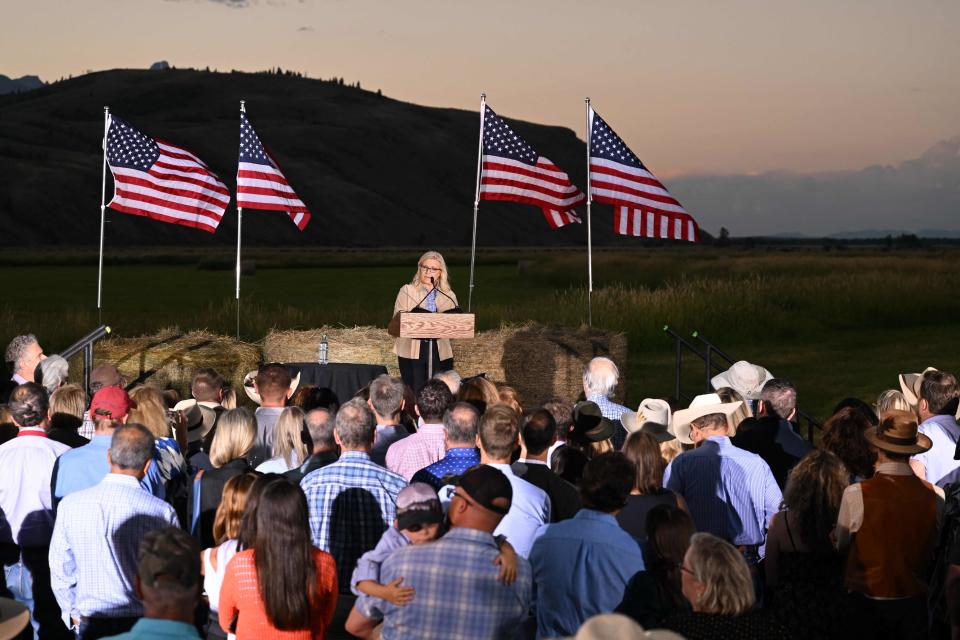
[360, 345]
[168, 359]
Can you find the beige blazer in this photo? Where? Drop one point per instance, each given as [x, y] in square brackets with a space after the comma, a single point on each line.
[407, 299]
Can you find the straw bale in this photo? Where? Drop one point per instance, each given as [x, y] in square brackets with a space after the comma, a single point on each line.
[169, 358]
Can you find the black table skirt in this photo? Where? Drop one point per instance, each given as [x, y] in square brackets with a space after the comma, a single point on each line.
[344, 378]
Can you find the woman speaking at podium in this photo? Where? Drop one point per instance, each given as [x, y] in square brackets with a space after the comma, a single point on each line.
[430, 291]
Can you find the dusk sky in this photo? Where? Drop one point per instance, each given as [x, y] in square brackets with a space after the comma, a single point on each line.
[693, 87]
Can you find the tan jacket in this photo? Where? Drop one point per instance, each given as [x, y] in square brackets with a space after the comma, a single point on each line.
[407, 299]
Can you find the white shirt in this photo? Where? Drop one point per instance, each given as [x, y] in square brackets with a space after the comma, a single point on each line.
[278, 465]
[529, 510]
[943, 432]
[27, 463]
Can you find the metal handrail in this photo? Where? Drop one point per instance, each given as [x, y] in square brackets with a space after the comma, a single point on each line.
[85, 344]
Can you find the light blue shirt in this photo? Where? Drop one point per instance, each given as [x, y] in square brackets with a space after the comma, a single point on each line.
[529, 510]
[154, 629]
[941, 468]
[96, 539]
[608, 408]
[581, 567]
[85, 466]
[731, 493]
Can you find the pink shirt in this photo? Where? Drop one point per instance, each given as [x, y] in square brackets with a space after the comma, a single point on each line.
[423, 448]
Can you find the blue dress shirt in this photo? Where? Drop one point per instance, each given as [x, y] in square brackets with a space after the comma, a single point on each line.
[455, 463]
[85, 466]
[730, 492]
[154, 629]
[581, 567]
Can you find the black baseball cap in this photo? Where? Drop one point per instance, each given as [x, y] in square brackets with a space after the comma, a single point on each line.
[485, 484]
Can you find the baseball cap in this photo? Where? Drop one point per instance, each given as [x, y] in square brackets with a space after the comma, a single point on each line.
[485, 484]
[418, 505]
[111, 402]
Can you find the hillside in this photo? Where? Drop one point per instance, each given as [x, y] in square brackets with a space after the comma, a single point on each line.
[374, 171]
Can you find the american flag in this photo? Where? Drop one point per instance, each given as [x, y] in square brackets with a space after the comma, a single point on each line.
[260, 183]
[642, 205]
[512, 170]
[162, 181]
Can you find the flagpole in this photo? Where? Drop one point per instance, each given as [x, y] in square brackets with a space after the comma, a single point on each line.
[476, 202]
[243, 109]
[589, 228]
[103, 214]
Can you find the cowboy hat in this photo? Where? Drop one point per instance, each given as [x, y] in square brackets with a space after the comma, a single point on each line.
[199, 422]
[252, 393]
[910, 385]
[589, 423]
[704, 405]
[651, 410]
[744, 378]
[14, 618]
[616, 626]
[897, 433]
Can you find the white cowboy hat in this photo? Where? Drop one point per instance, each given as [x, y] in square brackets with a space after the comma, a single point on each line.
[651, 410]
[910, 385]
[616, 626]
[744, 378]
[705, 405]
[252, 393]
[198, 421]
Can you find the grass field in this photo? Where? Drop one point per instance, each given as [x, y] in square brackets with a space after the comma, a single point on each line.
[836, 323]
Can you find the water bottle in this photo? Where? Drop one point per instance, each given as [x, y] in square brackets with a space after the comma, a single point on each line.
[323, 350]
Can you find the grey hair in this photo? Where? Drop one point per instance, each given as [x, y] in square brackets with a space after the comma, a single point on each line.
[780, 397]
[722, 570]
[320, 423]
[28, 405]
[355, 426]
[460, 422]
[54, 372]
[451, 378]
[18, 348]
[131, 446]
[386, 395]
[600, 376]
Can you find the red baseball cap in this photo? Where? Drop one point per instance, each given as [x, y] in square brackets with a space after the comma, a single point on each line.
[111, 402]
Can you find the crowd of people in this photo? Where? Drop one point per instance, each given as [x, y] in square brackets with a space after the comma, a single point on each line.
[460, 510]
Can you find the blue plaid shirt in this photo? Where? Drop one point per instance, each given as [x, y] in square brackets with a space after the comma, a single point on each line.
[458, 594]
[352, 501]
[610, 409]
[93, 554]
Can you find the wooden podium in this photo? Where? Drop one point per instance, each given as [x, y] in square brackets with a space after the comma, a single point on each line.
[434, 326]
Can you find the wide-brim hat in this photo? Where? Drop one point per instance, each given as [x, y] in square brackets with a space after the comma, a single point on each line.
[910, 385]
[744, 378]
[14, 618]
[198, 424]
[252, 393]
[651, 410]
[589, 423]
[704, 405]
[616, 626]
[898, 433]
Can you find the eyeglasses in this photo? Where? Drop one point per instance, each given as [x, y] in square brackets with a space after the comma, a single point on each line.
[683, 567]
[427, 269]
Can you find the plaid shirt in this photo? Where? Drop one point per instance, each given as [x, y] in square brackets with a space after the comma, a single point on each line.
[610, 410]
[458, 594]
[352, 501]
[423, 448]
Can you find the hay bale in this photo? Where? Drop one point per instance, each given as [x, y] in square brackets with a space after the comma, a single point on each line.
[538, 361]
[360, 345]
[168, 359]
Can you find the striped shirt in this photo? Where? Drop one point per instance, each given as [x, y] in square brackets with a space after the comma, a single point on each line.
[416, 451]
[93, 554]
[458, 594]
[731, 493]
[351, 502]
[25, 506]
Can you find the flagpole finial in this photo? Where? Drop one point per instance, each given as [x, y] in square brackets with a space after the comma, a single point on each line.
[483, 96]
[587, 99]
[243, 106]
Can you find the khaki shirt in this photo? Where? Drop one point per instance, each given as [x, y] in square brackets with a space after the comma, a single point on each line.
[408, 298]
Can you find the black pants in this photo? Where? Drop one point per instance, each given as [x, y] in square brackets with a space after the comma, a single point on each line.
[94, 628]
[886, 619]
[414, 371]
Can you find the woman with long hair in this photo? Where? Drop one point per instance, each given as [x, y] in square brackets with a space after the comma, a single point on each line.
[283, 587]
[151, 412]
[289, 449]
[479, 392]
[654, 593]
[226, 530]
[803, 570]
[428, 290]
[843, 436]
[643, 450]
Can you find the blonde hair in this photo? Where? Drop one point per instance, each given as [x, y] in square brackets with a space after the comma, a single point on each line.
[508, 395]
[226, 524]
[891, 400]
[444, 284]
[70, 399]
[229, 398]
[236, 433]
[670, 450]
[151, 411]
[287, 443]
[594, 449]
[717, 565]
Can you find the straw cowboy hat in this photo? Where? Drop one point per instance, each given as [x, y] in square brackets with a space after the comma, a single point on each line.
[702, 406]
[616, 626]
[199, 422]
[252, 393]
[744, 378]
[910, 385]
[897, 433]
[14, 618]
[650, 410]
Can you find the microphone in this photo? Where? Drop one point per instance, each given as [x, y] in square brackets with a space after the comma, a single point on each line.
[456, 307]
